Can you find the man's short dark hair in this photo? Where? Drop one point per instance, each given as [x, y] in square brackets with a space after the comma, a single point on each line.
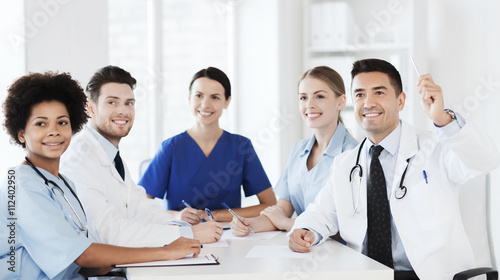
[108, 74]
[35, 88]
[378, 65]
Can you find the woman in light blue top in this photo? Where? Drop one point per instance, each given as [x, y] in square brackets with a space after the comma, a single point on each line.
[46, 233]
[321, 97]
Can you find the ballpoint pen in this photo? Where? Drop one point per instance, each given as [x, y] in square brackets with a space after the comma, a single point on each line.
[415, 66]
[425, 176]
[236, 216]
[187, 205]
[209, 214]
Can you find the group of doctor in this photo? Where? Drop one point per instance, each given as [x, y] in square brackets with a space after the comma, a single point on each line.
[327, 181]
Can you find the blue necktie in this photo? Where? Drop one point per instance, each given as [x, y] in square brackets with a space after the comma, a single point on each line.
[379, 213]
[119, 165]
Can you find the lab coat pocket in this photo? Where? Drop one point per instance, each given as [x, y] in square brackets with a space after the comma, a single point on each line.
[424, 200]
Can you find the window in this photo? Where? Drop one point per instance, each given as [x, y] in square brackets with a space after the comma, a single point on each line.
[194, 36]
[11, 68]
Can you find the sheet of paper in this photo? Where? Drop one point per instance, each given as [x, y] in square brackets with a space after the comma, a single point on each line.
[254, 236]
[200, 260]
[259, 251]
[220, 243]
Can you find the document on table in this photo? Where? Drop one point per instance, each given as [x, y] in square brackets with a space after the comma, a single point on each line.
[260, 251]
[254, 236]
[220, 243]
[207, 259]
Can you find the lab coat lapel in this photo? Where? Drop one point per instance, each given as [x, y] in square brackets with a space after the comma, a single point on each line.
[101, 155]
[408, 148]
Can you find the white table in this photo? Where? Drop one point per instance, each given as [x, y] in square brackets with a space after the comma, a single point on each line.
[331, 260]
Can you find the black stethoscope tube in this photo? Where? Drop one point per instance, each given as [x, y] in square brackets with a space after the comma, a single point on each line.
[402, 189]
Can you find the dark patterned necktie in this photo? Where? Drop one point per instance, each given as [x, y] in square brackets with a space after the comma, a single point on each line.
[119, 165]
[379, 216]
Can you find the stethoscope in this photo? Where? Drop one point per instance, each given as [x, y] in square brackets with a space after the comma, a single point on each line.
[79, 224]
[400, 192]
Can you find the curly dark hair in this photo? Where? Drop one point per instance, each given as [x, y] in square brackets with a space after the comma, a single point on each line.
[36, 88]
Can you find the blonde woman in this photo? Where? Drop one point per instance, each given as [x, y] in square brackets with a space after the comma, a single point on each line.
[321, 97]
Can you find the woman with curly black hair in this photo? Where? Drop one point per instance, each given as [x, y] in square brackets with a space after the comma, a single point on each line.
[47, 227]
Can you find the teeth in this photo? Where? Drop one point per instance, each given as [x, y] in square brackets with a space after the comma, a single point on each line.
[120, 122]
[371, 115]
[313, 115]
[205, 114]
[52, 144]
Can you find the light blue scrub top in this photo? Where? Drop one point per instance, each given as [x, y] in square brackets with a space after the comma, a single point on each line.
[299, 185]
[47, 241]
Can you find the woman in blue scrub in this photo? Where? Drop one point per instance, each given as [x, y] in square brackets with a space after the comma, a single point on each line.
[205, 165]
[47, 227]
[321, 97]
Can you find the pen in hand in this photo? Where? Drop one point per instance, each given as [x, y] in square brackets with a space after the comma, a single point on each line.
[236, 216]
[209, 214]
[189, 206]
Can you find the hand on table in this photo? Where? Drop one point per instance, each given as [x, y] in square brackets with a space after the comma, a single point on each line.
[277, 216]
[182, 247]
[301, 240]
[208, 232]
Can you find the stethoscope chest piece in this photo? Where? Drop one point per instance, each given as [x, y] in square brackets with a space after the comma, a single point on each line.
[400, 192]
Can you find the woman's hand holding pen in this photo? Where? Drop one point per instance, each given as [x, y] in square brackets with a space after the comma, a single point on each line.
[191, 215]
[208, 232]
[180, 248]
[240, 229]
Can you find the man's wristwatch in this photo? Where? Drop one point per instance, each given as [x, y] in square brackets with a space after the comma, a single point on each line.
[451, 113]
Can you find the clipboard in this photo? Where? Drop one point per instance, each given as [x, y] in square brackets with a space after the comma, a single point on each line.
[206, 259]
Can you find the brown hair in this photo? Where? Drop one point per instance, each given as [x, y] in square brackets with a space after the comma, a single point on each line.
[108, 74]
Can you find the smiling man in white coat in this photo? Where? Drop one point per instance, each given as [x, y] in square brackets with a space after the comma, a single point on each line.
[118, 211]
[398, 201]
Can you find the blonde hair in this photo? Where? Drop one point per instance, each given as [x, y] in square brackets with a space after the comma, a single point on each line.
[330, 77]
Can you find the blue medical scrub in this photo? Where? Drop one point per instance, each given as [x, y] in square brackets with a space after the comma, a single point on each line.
[47, 241]
[180, 170]
[299, 185]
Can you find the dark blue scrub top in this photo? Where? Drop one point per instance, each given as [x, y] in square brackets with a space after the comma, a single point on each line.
[180, 170]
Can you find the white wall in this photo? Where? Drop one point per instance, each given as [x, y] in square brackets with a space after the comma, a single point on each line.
[67, 36]
[268, 65]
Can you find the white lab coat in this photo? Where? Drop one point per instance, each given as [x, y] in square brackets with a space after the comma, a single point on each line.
[118, 212]
[428, 218]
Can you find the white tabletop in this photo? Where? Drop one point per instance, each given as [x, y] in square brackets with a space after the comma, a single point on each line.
[330, 260]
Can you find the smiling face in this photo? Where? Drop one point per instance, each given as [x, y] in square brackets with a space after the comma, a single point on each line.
[318, 103]
[376, 104]
[113, 115]
[47, 133]
[207, 101]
